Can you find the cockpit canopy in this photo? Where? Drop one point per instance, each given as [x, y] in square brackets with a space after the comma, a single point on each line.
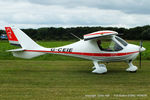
[107, 40]
[111, 43]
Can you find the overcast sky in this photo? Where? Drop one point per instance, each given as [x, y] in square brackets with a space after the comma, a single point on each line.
[68, 13]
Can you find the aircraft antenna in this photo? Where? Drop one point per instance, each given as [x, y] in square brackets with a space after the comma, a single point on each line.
[76, 36]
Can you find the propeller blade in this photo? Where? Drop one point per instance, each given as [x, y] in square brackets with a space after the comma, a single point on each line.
[141, 44]
[140, 53]
[140, 59]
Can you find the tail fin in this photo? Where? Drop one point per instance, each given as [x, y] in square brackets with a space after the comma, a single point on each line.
[19, 38]
[11, 37]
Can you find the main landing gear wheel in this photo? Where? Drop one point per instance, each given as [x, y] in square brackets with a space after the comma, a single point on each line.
[131, 68]
[99, 68]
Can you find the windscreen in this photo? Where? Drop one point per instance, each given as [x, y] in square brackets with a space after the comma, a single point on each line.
[108, 44]
[123, 42]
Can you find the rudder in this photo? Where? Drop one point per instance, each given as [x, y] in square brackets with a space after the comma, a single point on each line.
[17, 36]
[11, 37]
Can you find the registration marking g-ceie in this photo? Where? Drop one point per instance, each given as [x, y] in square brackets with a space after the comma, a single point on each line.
[61, 49]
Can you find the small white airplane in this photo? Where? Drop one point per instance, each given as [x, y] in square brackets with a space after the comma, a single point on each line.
[100, 46]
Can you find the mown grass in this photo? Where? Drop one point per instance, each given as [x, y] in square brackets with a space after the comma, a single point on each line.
[54, 77]
[71, 80]
[4, 45]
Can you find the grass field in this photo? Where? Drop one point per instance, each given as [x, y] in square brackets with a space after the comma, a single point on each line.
[71, 80]
[54, 77]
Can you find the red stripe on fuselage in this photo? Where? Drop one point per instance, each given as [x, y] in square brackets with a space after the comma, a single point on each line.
[86, 54]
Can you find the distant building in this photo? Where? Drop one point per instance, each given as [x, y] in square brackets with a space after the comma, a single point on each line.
[3, 37]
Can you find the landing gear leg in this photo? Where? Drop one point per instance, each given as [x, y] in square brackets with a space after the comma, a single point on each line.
[99, 68]
[131, 68]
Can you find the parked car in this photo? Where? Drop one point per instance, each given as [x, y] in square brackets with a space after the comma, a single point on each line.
[3, 37]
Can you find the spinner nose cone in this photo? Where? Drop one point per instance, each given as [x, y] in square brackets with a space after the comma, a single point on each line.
[142, 49]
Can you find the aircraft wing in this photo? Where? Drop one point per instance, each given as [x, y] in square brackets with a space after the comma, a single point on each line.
[98, 34]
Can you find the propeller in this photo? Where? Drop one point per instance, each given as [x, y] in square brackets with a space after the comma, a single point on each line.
[140, 53]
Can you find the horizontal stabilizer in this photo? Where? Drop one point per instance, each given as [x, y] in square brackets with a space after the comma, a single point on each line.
[21, 53]
[16, 50]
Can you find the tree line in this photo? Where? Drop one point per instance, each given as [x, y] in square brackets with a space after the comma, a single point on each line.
[52, 33]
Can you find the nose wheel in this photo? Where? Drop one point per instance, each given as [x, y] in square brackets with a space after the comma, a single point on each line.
[131, 68]
[99, 68]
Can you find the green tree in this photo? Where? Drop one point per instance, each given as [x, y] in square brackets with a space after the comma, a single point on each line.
[146, 34]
